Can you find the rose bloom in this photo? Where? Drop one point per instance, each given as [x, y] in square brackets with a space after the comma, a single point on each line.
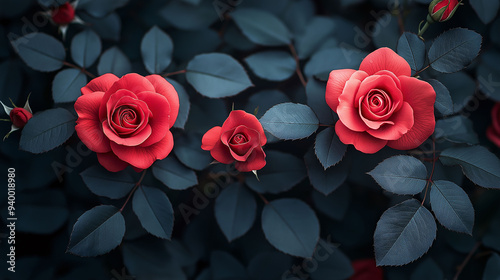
[127, 120]
[381, 104]
[366, 269]
[240, 139]
[20, 116]
[64, 14]
[493, 132]
[442, 10]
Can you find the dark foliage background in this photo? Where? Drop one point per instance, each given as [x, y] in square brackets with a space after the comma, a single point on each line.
[52, 192]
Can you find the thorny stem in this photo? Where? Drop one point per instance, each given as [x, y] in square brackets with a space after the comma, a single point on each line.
[421, 70]
[134, 189]
[174, 73]
[467, 259]
[297, 63]
[92, 76]
[429, 181]
[263, 198]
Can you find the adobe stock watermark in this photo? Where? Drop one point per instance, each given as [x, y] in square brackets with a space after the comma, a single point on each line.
[73, 158]
[29, 28]
[225, 6]
[323, 251]
[211, 190]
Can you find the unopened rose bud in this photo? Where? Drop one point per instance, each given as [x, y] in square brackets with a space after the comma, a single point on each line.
[443, 10]
[20, 116]
[64, 14]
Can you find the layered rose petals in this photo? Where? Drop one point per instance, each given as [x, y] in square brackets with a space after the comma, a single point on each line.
[127, 120]
[493, 131]
[240, 140]
[380, 104]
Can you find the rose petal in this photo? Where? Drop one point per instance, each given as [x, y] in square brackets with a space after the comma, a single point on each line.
[493, 135]
[210, 138]
[362, 141]
[420, 96]
[402, 122]
[385, 83]
[144, 157]
[160, 118]
[385, 59]
[135, 140]
[256, 161]
[88, 126]
[166, 89]
[335, 86]
[347, 110]
[495, 117]
[131, 82]
[241, 152]
[221, 153]
[101, 83]
[111, 162]
[239, 117]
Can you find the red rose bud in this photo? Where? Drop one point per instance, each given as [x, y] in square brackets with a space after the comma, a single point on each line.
[493, 132]
[63, 14]
[442, 10]
[366, 269]
[20, 117]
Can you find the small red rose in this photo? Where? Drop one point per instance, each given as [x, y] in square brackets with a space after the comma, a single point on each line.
[381, 104]
[442, 10]
[240, 140]
[64, 14]
[127, 120]
[493, 132]
[20, 116]
[366, 269]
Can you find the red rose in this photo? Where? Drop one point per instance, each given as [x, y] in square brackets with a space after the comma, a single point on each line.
[442, 10]
[126, 120]
[366, 269]
[20, 116]
[493, 132]
[240, 139]
[381, 104]
[63, 14]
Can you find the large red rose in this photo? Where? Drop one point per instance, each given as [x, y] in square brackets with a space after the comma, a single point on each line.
[240, 139]
[381, 104]
[127, 120]
[493, 132]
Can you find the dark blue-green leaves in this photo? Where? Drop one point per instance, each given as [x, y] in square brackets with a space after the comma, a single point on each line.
[272, 65]
[40, 51]
[114, 61]
[328, 147]
[290, 121]
[154, 210]
[217, 75]
[67, 84]
[85, 48]
[404, 233]
[97, 231]
[291, 226]
[47, 130]
[156, 50]
[102, 182]
[173, 174]
[412, 49]
[454, 50]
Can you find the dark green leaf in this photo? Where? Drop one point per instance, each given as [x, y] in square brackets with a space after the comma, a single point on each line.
[336, 266]
[97, 231]
[269, 265]
[272, 65]
[492, 270]
[156, 50]
[317, 31]
[324, 61]
[189, 17]
[173, 174]
[261, 27]
[291, 226]
[47, 130]
[85, 48]
[328, 147]
[154, 210]
[217, 75]
[478, 164]
[224, 266]
[114, 61]
[40, 51]
[67, 84]
[315, 92]
[290, 121]
[185, 105]
[457, 129]
[235, 211]
[100, 8]
[429, 270]
[485, 9]
[454, 50]
[325, 180]
[444, 104]
[281, 173]
[335, 204]
[461, 87]
[102, 182]
[401, 175]
[412, 49]
[404, 233]
[187, 149]
[452, 206]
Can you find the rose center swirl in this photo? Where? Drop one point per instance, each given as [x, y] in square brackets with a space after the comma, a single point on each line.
[239, 138]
